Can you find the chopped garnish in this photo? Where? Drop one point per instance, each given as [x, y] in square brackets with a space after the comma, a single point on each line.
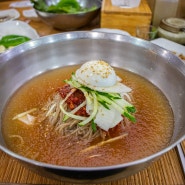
[111, 101]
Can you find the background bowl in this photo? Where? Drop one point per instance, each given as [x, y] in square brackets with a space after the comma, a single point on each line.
[158, 65]
[64, 21]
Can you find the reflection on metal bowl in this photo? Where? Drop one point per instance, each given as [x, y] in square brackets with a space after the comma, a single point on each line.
[156, 64]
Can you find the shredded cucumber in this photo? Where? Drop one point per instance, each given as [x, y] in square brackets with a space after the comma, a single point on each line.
[93, 114]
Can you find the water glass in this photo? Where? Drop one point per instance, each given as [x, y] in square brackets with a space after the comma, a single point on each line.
[126, 3]
[146, 32]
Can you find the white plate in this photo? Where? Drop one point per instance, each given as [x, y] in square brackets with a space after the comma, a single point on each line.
[11, 14]
[17, 28]
[30, 14]
[21, 4]
[176, 48]
[107, 30]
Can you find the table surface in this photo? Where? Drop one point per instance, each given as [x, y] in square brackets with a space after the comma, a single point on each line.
[166, 170]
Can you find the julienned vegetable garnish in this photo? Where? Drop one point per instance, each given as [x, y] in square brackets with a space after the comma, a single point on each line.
[63, 6]
[101, 101]
[91, 101]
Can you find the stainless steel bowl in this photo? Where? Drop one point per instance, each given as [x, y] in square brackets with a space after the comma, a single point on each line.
[158, 65]
[63, 21]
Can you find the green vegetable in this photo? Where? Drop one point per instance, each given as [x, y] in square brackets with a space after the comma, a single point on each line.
[153, 33]
[66, 6]
[13, 40]
[39, 5]
[63, 6]
[93, 126]
[95, 98]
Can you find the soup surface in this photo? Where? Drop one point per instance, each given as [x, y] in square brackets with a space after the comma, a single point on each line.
[151, 132]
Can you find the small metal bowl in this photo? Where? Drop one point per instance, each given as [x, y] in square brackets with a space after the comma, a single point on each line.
[65, 21]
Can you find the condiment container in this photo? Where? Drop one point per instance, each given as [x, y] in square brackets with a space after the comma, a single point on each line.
[172, 29]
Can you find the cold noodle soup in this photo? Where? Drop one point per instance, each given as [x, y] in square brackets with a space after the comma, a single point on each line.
[62, 145]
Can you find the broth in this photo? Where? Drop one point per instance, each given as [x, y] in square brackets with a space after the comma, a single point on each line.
[41, 142]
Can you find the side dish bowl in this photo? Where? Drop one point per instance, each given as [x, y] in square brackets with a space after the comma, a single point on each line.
[71, 21]
[159, 66]
[17, 27]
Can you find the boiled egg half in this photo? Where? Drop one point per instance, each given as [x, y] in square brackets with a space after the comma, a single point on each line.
[100, 76]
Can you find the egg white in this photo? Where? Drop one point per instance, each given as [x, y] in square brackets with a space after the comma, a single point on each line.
[100, 76]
